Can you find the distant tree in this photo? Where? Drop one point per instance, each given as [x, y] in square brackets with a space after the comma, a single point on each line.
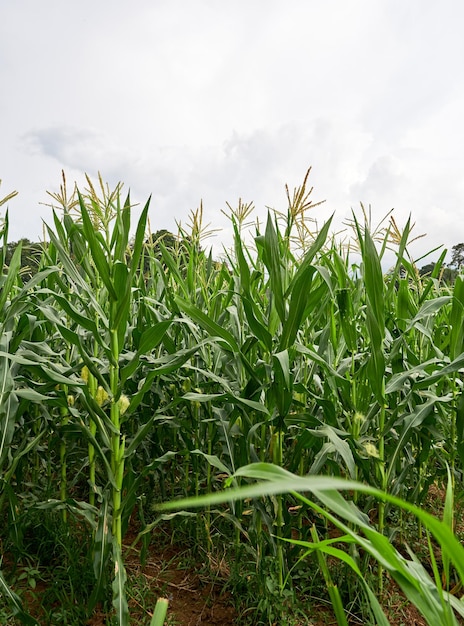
[165, 237]
[31, 253]
[181, 247]
[457, 256]
[446, 274]
[426, 270]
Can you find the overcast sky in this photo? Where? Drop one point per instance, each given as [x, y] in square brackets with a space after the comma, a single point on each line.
[209, 100]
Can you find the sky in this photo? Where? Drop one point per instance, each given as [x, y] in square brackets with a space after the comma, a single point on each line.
[210, 101]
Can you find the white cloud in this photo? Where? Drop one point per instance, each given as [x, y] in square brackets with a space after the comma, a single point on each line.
[217, 101]
[79, 149]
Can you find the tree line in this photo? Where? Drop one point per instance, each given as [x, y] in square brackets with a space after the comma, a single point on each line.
[31, 253]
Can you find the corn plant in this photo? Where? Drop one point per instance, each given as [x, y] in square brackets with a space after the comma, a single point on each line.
[97, 294]
[138, 369]
[321, 351]
[88, 299]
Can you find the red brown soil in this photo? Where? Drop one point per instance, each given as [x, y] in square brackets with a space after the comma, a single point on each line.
[194, 598]
[197, 595]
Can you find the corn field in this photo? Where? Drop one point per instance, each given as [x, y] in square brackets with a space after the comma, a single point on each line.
[292, 402]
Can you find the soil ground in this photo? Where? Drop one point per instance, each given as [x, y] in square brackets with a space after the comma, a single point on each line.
[195, 599]
[198, 592]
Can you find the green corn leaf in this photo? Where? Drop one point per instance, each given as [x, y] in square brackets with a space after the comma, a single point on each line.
[250, 404]
[282, 367]
[149, 340]
[16, 358]
[168, 259]
[282, 388]
[119, 586]
[81, 509]
[121, 231]
[300, 293]
[375, 371]
[326, 452]
[409, 426]
[315, 247]
[347, 317]
[137, 248]
[8, 401]
[435, 274]
[340, 446]
[430, 307]
[95, 246]
[397, 381]
[31, 395]
[457, 318]
[8, 409]
[412, 577]
[404, 304]
[448, 519]
[75, 315]
[373, 280]
[72, 338]
[70, 267]
[341, 555]
[256, 325]
[21, 452]
[433, 564]
[243, 265]
[451, 368]
[193, 396]
[226, 397]
[273, 262]
[120, 277]
[375, 315]
[37, 279]
[73, 240]
[223, 382]
[11, 277]
[101, 551]
[460, 428]
[214, 461]
[121, 307]
[153, 336]
[334, 593]
[313, 356]
[159, 367]
[214, 329]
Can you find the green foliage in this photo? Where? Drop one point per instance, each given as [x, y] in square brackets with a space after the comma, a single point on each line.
[31, 255]
[457, 256]
[446, 274]
[136, 368]
[435, 604]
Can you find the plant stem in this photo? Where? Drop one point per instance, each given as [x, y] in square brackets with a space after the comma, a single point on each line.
[117, 441]
[278, 458]
[383, 485]
[92, 384]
